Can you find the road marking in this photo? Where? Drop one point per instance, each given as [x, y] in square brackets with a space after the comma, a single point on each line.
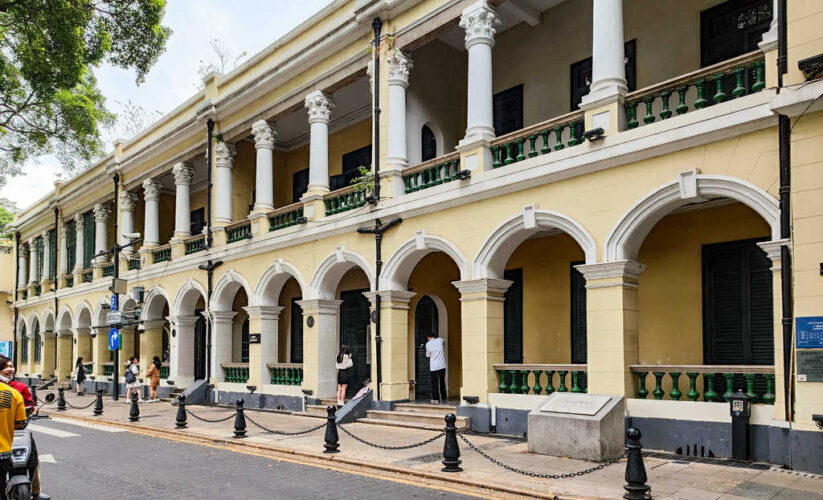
[51, 432]
[89, 425]
[46, 458]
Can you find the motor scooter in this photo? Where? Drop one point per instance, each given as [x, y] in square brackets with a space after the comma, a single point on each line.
[23, 460]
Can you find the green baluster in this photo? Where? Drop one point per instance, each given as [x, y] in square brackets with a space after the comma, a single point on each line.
[666, 113]
[658, 380]
[536, 389]
[649, 118]
[520, 156]
[681, 100]
[709, 395]
[550, 382]
[675, 392]
[455, 168]
[562, 375]
[496, 155]
[739, 89]
[692, 394]
[759, 83]
[299, 376]
[514, 388]
[642, 392]
[558, 133]
[750, 386]
[700, 102]
[532, 146]
[524, 381]
[271, 376]
[719, 95]
[631, 110]
[509, 159]
[503, 387]
[546, 147]
[729, 382]
[575, 377]
[573, 140]
[769, 397]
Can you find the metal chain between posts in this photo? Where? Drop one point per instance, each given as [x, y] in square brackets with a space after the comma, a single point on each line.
[81, 407]
[393, 448]
[46, 384]
[535, 474]
[285, 433]
[209, 421]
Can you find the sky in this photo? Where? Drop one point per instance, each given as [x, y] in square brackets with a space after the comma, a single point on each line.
[245, 25]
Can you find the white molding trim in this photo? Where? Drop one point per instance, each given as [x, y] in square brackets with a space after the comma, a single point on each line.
[231, 276]
[84, 304]
[155, 292]
[504, 240]
[773, 250]
[277, 274]
[98, 309]
[32, 318]
[628, 234]
[191, 285]
[401, 264]
[328, 274]
[621, 269]
[61, 315]
[482, 285]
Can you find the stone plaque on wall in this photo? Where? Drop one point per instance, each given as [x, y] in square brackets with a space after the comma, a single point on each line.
[809, 366]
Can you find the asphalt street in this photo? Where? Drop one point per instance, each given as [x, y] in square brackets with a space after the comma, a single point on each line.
[94, 461]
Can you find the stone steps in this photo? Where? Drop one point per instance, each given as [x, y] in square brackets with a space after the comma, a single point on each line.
[426, 408]
[414, 419]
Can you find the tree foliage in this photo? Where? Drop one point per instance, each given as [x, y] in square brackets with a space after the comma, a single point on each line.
[49, 100]
[7, 209]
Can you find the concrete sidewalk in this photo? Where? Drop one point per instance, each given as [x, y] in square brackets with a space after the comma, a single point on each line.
[671, 477]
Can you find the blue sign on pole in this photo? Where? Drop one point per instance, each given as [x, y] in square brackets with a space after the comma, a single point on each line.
[5, 348]
[809, 332]
[114, 339]
[114, 302]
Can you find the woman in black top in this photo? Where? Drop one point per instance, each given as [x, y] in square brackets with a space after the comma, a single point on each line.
[343, 365]
[79, 376]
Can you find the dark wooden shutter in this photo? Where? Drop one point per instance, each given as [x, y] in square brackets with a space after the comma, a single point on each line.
[52, 254]
[199, 346]
[24, 347]
[425, 323]
[296, 348]
[354, 322]
[244, 341]
[71, 245]
[428, 145]
[581, 75]
[354, 159]
[88, 239]
[300, 184]
[513, 317]
[37, 343]
[578, 314]
[508, 110]
[732, 28]
[197, 220]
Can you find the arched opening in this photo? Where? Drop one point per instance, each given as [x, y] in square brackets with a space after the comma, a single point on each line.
[428, 146]
[355, 326]
[23, 354]
[187, 348]
[80, 345]
[48, 346]
[230, 340]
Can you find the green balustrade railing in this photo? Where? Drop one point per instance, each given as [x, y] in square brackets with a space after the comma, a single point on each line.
[286, 217]
[715, 383]
[286, 373]
[108, 270]
[37, 289]
[540, 139]
[162, 254]
[338, 202]
[236, 372]
[195, 244]
[88, 276]
[108, 369]
[541, 378]
[708, 86]
[164, 371]
[237, 232]
[432, 173]
[69, 281]
[134, 264]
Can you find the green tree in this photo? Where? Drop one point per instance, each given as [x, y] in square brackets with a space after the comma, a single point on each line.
[49, 100]
[7, 209]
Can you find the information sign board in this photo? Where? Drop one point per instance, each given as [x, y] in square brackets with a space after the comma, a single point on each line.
[809, 332]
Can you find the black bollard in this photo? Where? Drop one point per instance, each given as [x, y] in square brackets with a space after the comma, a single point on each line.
[332, 443]
[451, 452]
[239, 420]
[134, 411]
[98, 405]
[180, 421]
[61, 400]
[636, 487]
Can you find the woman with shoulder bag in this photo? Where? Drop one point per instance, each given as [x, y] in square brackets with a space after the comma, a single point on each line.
[130, 376]
[343, 365]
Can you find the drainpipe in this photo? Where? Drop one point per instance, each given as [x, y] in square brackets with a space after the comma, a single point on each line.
[56, 278]
[784, 140]
[377, 24]
[210, 133]
[16, 286]
[209, 267]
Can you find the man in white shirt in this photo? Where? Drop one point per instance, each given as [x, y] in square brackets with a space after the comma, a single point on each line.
[437, 365]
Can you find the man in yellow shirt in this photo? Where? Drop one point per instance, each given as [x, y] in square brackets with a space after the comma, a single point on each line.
[12, 416]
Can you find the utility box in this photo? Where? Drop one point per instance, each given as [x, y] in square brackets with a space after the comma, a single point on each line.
[740, 408]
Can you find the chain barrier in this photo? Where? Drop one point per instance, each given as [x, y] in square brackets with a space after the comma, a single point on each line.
[81, 407]
[393, 448]
[535, 474]
[46, 384]
[285, 433]
[209, 421]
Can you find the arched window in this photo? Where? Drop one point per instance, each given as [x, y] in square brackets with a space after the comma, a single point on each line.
[37, 343]
[425, 324]
[244, 347]
[24, 347]
[429, 144]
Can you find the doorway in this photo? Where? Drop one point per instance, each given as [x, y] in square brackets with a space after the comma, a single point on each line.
[199, 346]
[425, 323]
[354, 324]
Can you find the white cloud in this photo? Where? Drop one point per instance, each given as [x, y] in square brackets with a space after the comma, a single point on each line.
[249, 27]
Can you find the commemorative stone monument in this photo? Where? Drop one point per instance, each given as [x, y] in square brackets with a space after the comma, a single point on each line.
[576, 425]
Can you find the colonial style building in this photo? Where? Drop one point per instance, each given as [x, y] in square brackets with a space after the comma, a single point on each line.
[614, 196]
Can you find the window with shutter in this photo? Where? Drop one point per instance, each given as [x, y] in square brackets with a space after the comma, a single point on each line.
[732, 29]
[508, 110]
[38, 270]
[578, 314]
[24, 347]
[71, 245]
[197, 220]
[244, 341]
[425, 324]
[37, 343]
[513, 317]
[299, 184]
[296, 348]
[353, 160]
[429, 144]
[88, 239]
[354, 322]
[199, 346]
[52, 254]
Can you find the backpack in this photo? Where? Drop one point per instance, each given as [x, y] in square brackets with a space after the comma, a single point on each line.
[129, 375]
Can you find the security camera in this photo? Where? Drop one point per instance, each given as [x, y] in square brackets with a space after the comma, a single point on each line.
[132, 236]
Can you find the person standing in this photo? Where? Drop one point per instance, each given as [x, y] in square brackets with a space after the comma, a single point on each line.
[130, 377]
[153, 376]
[343, 365]
[435, 351]
[12, 416]
[79, 376]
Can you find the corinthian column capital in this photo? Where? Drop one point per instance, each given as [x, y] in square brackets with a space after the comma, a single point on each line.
[319, 106]
[399, 65]
[480, 23]
[263, 134]
[225, 154]
[183, 173]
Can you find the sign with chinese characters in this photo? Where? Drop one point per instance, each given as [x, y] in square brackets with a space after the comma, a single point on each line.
[810, 366]
[577, 404]
[254, 338]
[809, 332]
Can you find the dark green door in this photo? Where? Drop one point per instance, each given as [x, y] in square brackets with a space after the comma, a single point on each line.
[578, 319]
[199, 346]
[354, 323]
[425, 323]
[513, 317]
[296, 354]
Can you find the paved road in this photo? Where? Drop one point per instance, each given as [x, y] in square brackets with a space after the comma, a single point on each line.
[91, 461]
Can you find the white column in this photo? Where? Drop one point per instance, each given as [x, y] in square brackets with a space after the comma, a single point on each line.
[32, 260]
[320, 345]
[183, 174]
[267, 319]
[264, 135]
[608, 56]
[479, 21]
[769, 40]
[181, 350]
[225, 154]
[151, 193]
[23, 266]
[46, 259]
[101, 223]
[78, 253]
[221, 342]
[398, 67]
[127, 203]
[319, 106]
[64, 258]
